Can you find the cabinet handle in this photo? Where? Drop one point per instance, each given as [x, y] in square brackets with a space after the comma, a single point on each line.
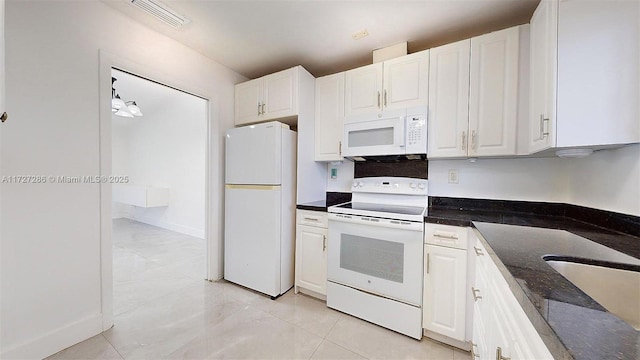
[474, 137]
[324, 242]
[474, 354]
[310, 218]
[445, 235]
[259, 109]
[4, 116]
[340, 148]
[428, 263]
[263, 108]
[542, 132]
[385, 97]
[464, 140]
[541, 126]
[478, 251]
[499, 354]
[379, 100]
[474, 291]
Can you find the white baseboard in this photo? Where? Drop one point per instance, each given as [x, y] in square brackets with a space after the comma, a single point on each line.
[188, 230]
[56, 340]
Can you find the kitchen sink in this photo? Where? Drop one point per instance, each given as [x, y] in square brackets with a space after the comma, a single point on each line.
[617, 290]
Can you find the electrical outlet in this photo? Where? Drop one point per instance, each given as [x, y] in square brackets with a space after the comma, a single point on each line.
[453, 176]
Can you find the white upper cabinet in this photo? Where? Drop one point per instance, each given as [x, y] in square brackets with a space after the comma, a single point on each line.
[270, 97]
[280, 94]
[405, 81]
[248, 102]
[363, 90]
[473, 96]
[329, 117]
[542, 81]
[493, 93]
[584, 71]
[394, 84]
[448, 118]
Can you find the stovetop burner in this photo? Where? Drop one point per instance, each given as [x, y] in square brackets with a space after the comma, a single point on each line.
[383, 208]
[387, 197]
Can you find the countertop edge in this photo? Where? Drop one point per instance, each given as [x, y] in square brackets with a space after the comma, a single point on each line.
[548, 336]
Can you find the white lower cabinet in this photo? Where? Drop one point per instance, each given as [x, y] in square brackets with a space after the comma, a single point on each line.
[501, 329]
[311, 253]
[445, 283]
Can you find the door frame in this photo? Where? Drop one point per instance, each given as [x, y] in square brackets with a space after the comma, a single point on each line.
[107, 61]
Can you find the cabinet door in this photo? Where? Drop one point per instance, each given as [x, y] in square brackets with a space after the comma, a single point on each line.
[248, 101]
[406, 81]
[280, 94]
[542, 76]
[363, 90]
[449, 100]
[311, 258]
[493, 93]
[598, 91]
[444, 291]
[329, 117]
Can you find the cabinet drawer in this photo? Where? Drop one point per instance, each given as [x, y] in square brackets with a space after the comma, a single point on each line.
[312, 218]
[444, 235]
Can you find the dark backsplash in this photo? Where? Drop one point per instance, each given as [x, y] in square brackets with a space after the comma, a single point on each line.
[624, 223]
[334, 198]
[391, 166]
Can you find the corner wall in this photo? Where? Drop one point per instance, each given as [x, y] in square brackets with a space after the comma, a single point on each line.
[50, 261]
[607, 180]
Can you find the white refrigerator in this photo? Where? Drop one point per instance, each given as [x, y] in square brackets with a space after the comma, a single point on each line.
[260, 190]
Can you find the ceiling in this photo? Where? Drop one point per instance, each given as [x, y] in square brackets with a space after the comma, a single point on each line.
[256, 38]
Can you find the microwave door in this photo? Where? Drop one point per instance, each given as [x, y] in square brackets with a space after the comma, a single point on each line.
[376, 137]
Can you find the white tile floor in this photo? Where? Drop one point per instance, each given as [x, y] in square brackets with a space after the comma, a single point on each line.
[165, 310]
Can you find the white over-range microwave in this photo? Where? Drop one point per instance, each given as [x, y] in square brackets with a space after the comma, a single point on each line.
[395, 132]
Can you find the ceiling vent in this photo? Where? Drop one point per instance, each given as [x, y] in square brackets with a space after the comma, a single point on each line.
[162, 12]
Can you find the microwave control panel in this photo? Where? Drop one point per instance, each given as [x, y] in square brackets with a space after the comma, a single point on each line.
[416, 132]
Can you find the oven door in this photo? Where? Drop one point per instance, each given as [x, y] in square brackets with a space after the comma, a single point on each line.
[378, 256]
[375, 137]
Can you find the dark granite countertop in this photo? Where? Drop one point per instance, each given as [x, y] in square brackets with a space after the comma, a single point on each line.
[332, 198]
[320, 205]
[571, 324]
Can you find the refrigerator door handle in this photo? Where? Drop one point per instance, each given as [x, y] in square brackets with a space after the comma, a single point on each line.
[253, 187]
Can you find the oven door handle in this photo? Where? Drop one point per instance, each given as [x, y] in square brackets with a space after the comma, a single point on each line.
[372, 221]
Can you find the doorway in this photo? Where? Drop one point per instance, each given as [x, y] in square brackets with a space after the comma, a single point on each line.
[158, 152]
[213, 169]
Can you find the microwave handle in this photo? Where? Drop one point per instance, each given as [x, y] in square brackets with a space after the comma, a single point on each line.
[404, 133]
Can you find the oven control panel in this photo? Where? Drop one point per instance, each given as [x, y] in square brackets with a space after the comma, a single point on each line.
[391, 185]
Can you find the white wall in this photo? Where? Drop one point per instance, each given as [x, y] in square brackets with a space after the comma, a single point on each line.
[50, 265]
[344, 178]
[527, 179]
[164, 148]
[607, 180]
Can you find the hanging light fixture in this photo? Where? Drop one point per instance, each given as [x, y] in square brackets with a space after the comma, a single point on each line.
[133, 108]
[120, 107]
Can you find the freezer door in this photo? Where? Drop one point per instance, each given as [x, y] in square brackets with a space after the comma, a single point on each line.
[253, 237]
[254, 154]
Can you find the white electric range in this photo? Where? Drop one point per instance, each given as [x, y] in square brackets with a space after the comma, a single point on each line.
[375, 253]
